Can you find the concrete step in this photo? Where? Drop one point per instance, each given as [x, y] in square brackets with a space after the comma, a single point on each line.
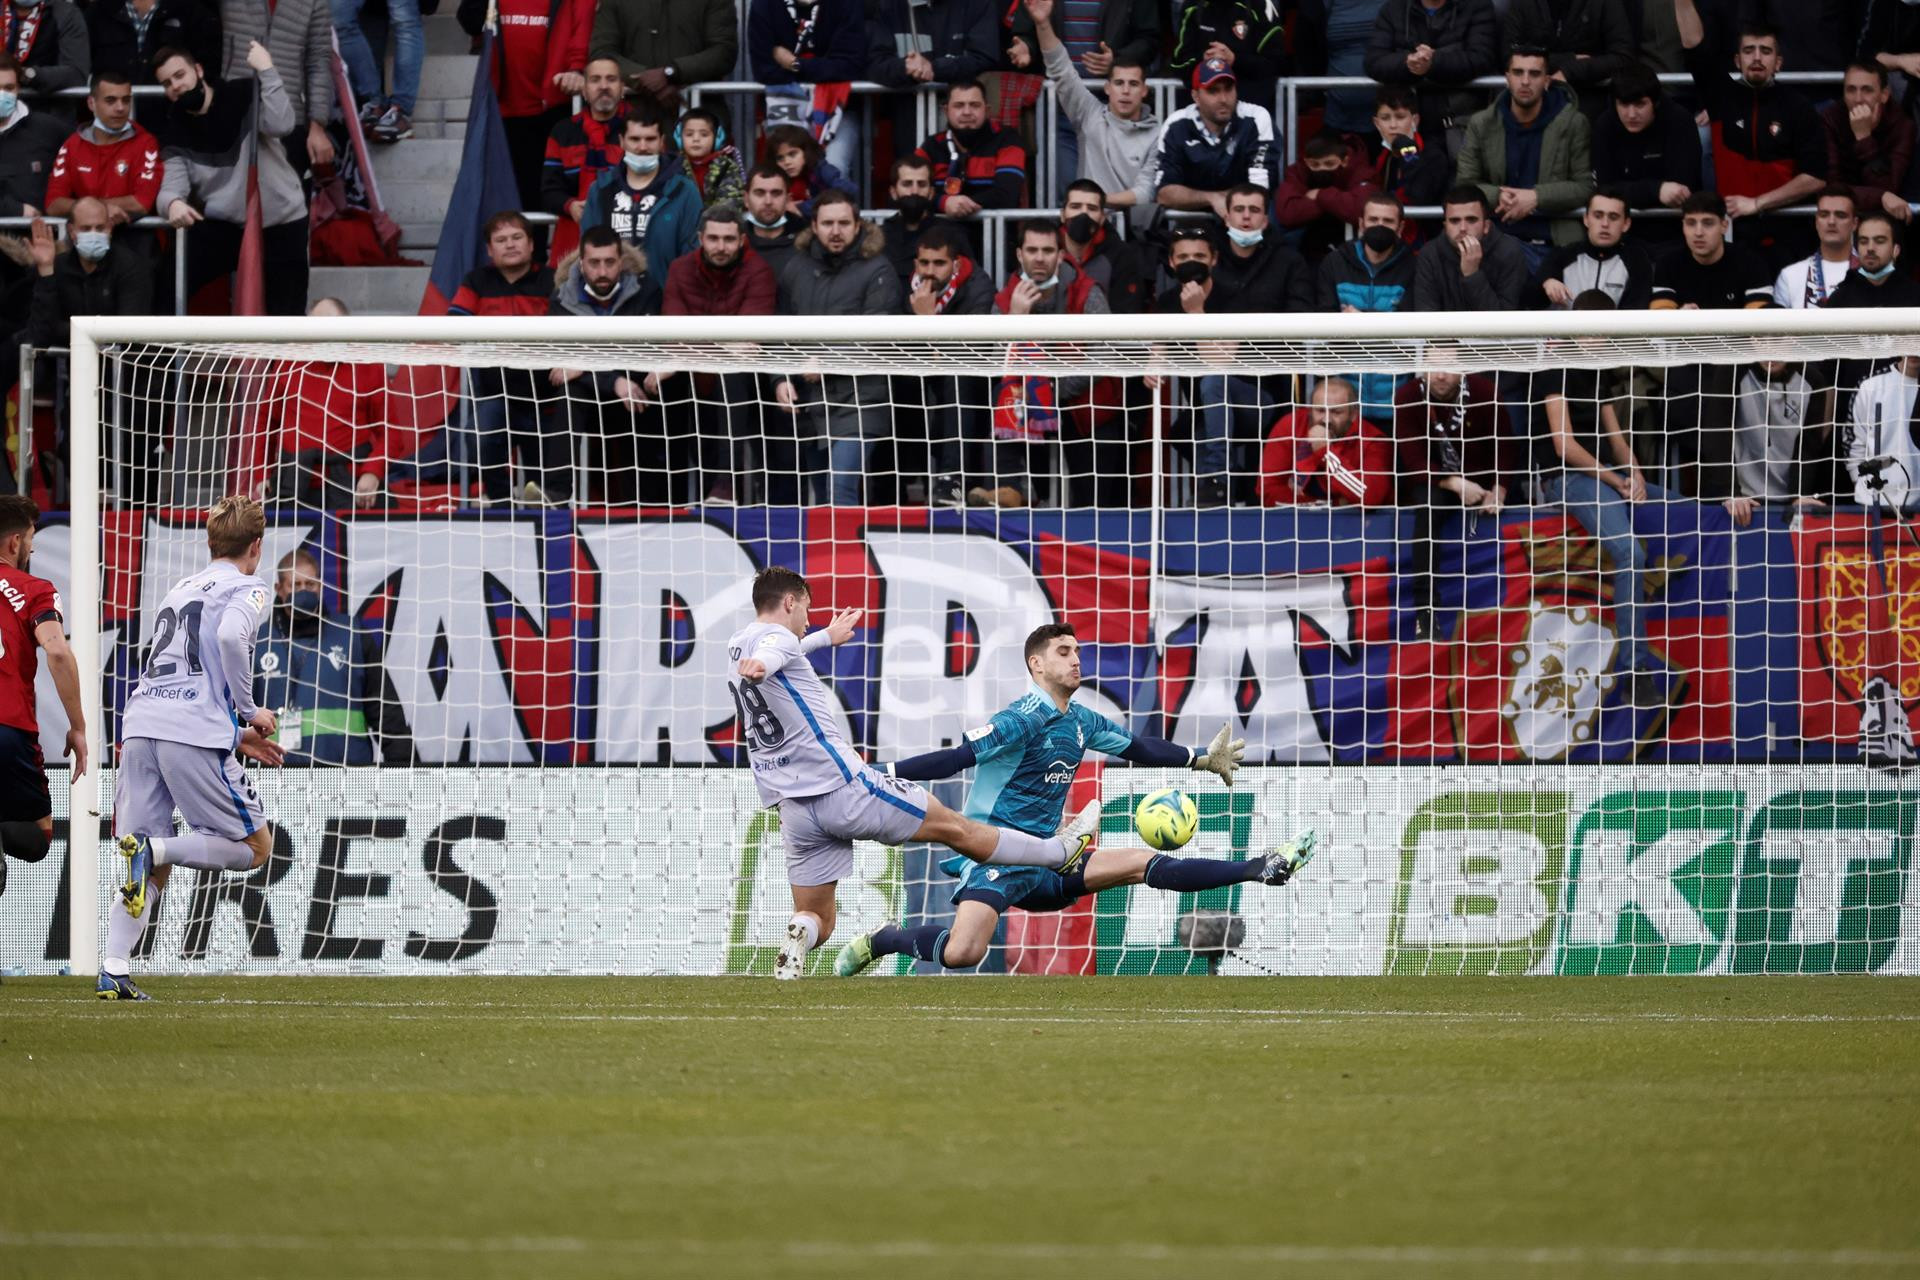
[424, 203]
[444, 36]
[418, 160]
[448, 76]
[418, 236]
[371, 290]
[439, 130]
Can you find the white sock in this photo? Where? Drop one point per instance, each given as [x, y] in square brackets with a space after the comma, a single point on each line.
[1021, 849]
[208, 853]
[809, 927]
[124, 933]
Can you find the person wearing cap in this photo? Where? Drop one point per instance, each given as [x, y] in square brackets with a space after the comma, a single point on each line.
[1210, 147]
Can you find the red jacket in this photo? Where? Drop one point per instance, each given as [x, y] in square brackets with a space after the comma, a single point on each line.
[539, 39]
[696, 289]
[129, 167]
[332, 407]
[1356, 470]
[1293, 207]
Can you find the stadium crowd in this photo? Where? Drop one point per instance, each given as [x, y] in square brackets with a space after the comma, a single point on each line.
[1583, 182]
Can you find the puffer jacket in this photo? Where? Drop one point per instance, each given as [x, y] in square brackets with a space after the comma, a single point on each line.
[1565, 179]
[638, 293]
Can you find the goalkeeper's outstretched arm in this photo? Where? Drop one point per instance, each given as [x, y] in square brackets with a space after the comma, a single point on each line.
[1221, 757]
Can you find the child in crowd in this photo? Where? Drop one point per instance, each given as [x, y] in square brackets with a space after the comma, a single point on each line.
[712, 162]
[799, 156]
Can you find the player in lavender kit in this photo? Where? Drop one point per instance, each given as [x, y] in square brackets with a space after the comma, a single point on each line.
[192, 710]
[827, 796]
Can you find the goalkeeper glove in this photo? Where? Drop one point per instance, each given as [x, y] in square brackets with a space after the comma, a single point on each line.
[1221, 756]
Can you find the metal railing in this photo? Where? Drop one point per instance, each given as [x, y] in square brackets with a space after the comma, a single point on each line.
[1287, 109]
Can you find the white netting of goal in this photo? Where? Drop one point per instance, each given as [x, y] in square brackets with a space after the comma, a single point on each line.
[1541, 719]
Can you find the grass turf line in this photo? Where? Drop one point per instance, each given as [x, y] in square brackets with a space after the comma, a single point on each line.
[1110, 1127]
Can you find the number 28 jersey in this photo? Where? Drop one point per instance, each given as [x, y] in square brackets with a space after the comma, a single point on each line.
[786, 720]
[183, 691]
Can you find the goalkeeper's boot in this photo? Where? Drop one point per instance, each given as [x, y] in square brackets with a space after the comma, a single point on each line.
[1283, 863]
[854, 958]
[118, 987]
[138, 851]
[1077, 833]
[792, 961]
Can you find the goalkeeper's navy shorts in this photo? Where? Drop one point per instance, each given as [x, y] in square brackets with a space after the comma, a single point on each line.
[1000, 887]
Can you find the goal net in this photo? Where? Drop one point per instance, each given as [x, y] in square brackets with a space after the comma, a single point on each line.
[1585, 643]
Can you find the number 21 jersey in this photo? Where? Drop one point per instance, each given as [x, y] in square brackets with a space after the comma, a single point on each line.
[786, 719]
[182, 695]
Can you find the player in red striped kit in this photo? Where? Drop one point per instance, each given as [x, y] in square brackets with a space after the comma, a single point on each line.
[30, 621]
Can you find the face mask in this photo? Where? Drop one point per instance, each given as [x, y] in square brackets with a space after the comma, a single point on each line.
[1081, 228]
[765, 225]
[1877, 276]
[305, 602]
[92, 245]
[602, 293]
[1379, 239]
[1322, 177]
[199, 98]
[1192, 272]
[124, 131]
[972, 139]
[913, 208]
[1048, 283]
[640, 164]
[8, 101]
[1246, 239]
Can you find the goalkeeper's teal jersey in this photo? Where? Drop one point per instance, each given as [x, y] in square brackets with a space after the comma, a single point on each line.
[1025, 759]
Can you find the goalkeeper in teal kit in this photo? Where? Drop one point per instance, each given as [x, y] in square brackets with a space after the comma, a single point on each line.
[1025, 759]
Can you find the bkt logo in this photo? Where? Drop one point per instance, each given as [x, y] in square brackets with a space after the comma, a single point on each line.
[1652, 881]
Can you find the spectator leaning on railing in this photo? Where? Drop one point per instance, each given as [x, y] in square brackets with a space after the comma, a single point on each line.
[1530, 152]
[210, 130]
[112, 158]
[1646, 147]
[1870, 141]
[1217, 143]
[125, 36]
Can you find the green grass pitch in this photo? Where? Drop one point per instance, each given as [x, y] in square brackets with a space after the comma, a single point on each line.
[967, 1128]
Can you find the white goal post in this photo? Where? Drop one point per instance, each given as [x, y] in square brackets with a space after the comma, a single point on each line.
[1340, 602]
